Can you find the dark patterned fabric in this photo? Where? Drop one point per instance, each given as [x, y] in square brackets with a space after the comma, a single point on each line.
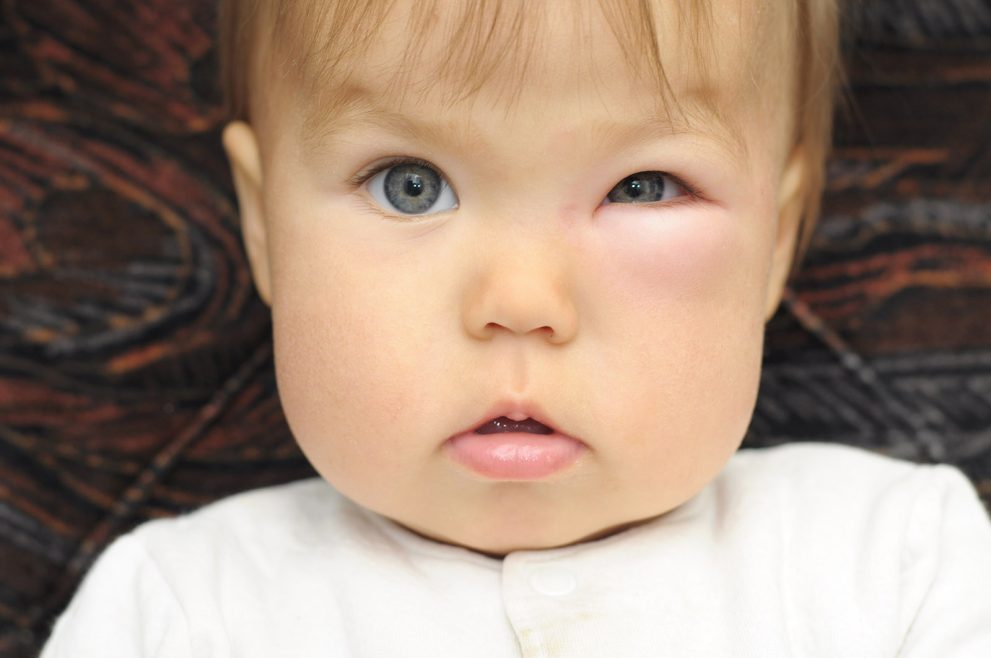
[136, 376]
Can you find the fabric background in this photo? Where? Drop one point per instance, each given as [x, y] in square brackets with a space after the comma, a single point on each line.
[136, 376]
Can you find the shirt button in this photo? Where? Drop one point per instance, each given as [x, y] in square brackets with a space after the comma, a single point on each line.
[552, 580]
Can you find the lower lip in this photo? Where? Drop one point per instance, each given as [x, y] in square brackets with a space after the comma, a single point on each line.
[515, 455]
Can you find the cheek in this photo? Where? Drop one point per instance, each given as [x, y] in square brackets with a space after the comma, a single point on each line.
[349, 350]
[689, 254]
[685, 289]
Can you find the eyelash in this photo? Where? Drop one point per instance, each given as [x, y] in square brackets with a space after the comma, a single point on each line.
[358, 179]
[692, 193]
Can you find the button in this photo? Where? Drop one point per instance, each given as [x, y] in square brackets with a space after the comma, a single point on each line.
[552, 580]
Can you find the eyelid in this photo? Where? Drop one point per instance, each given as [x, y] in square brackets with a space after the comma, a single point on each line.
[359, 178]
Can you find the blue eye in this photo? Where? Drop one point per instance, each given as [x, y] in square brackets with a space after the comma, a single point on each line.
[645, 187]
[412, 188]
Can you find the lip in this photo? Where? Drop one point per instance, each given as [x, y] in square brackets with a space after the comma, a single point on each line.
[514, 455]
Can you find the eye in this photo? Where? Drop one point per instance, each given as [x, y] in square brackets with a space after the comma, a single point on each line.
[411, 188]
[646, 187]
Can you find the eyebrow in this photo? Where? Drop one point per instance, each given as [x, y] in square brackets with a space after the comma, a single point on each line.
[356, 109]
[317, 129]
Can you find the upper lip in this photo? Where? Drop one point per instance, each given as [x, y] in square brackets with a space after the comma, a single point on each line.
[516, 409]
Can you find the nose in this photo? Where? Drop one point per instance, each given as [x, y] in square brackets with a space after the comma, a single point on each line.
[521, 291]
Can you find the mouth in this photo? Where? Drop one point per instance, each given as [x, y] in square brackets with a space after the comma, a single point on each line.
[503, 424]
[514, 443]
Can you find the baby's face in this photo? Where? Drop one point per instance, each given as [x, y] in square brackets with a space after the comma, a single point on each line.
[626, 314]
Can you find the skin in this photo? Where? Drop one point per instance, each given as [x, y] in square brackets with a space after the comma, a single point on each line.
[637, 328]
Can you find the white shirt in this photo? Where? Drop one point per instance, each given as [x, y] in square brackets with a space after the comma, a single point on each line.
[798, 551]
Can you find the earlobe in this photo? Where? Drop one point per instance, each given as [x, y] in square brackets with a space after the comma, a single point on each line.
[244, 157]
[791, 205]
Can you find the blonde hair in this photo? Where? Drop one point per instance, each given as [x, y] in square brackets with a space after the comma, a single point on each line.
[310, 41]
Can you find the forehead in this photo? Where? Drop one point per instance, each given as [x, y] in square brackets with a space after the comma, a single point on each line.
[684, 62]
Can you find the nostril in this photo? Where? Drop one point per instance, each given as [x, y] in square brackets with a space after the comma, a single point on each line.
[503, 424]
[544, 330]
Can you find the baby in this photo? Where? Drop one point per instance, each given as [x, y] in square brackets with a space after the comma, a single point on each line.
[519, 257]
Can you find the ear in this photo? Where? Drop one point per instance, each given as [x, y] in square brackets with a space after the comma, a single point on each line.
[245, 162]
[791, 204]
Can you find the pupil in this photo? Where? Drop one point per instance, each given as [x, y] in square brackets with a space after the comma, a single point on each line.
[414, 185]
[411, 188]
[641, 187]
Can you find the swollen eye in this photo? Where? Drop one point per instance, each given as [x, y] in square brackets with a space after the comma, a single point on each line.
[645, 187]
[410, 188]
